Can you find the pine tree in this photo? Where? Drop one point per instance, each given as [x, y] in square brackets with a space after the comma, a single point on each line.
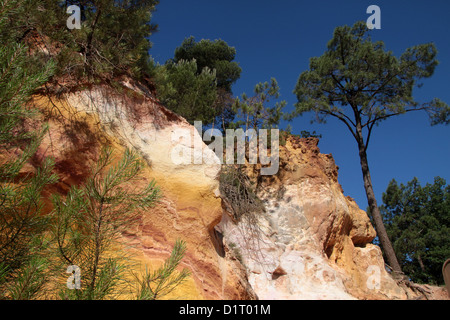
[218, 56]
[159, 283]
[113, 39]
[114, 35]
[90, 219]
[187, 93]
[22, 227]
[417, 220]
[214, 54]
[361, 84]
[254, 112]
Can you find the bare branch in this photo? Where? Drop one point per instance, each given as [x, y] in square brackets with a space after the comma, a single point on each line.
[340, 118]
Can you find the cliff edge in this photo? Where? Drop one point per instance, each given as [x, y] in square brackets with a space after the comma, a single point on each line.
[309, 242]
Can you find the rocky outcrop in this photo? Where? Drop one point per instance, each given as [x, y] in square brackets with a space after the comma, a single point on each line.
[311, 242]
[82, 122]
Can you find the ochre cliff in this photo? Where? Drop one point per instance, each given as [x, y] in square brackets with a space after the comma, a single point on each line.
[82, 122]
[311, 242]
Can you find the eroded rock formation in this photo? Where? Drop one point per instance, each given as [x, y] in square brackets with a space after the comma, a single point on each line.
[311, 242]
[82, 122]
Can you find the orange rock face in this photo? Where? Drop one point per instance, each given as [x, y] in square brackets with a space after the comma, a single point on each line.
[311, 242]
[319, 238]
[81, 123]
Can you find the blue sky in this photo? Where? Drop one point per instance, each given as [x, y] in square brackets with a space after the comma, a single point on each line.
[277, 39]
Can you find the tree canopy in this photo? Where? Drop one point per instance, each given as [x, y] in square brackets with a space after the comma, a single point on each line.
[214, 54]
[113, 39]
[417, 219]
[360, 83]
[187, 93]
[197, 82]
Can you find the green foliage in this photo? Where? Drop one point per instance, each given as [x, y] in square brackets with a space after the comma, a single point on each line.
[417, 219]
[114, 36]
[217, 58]
[159, 283]
[20, 76]
[253, 112]
[216, 55]
[113, 39]
[358, 80]
[85, 225]
[89, 221]
[21, 224]
[22, 227]
[187, 93]
[307, 134]
[3, 279]
[30, 280]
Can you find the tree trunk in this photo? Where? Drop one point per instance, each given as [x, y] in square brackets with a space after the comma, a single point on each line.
[377, 218]
[422, 266]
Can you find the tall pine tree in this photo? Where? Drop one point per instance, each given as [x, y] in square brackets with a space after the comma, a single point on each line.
[361, 84]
